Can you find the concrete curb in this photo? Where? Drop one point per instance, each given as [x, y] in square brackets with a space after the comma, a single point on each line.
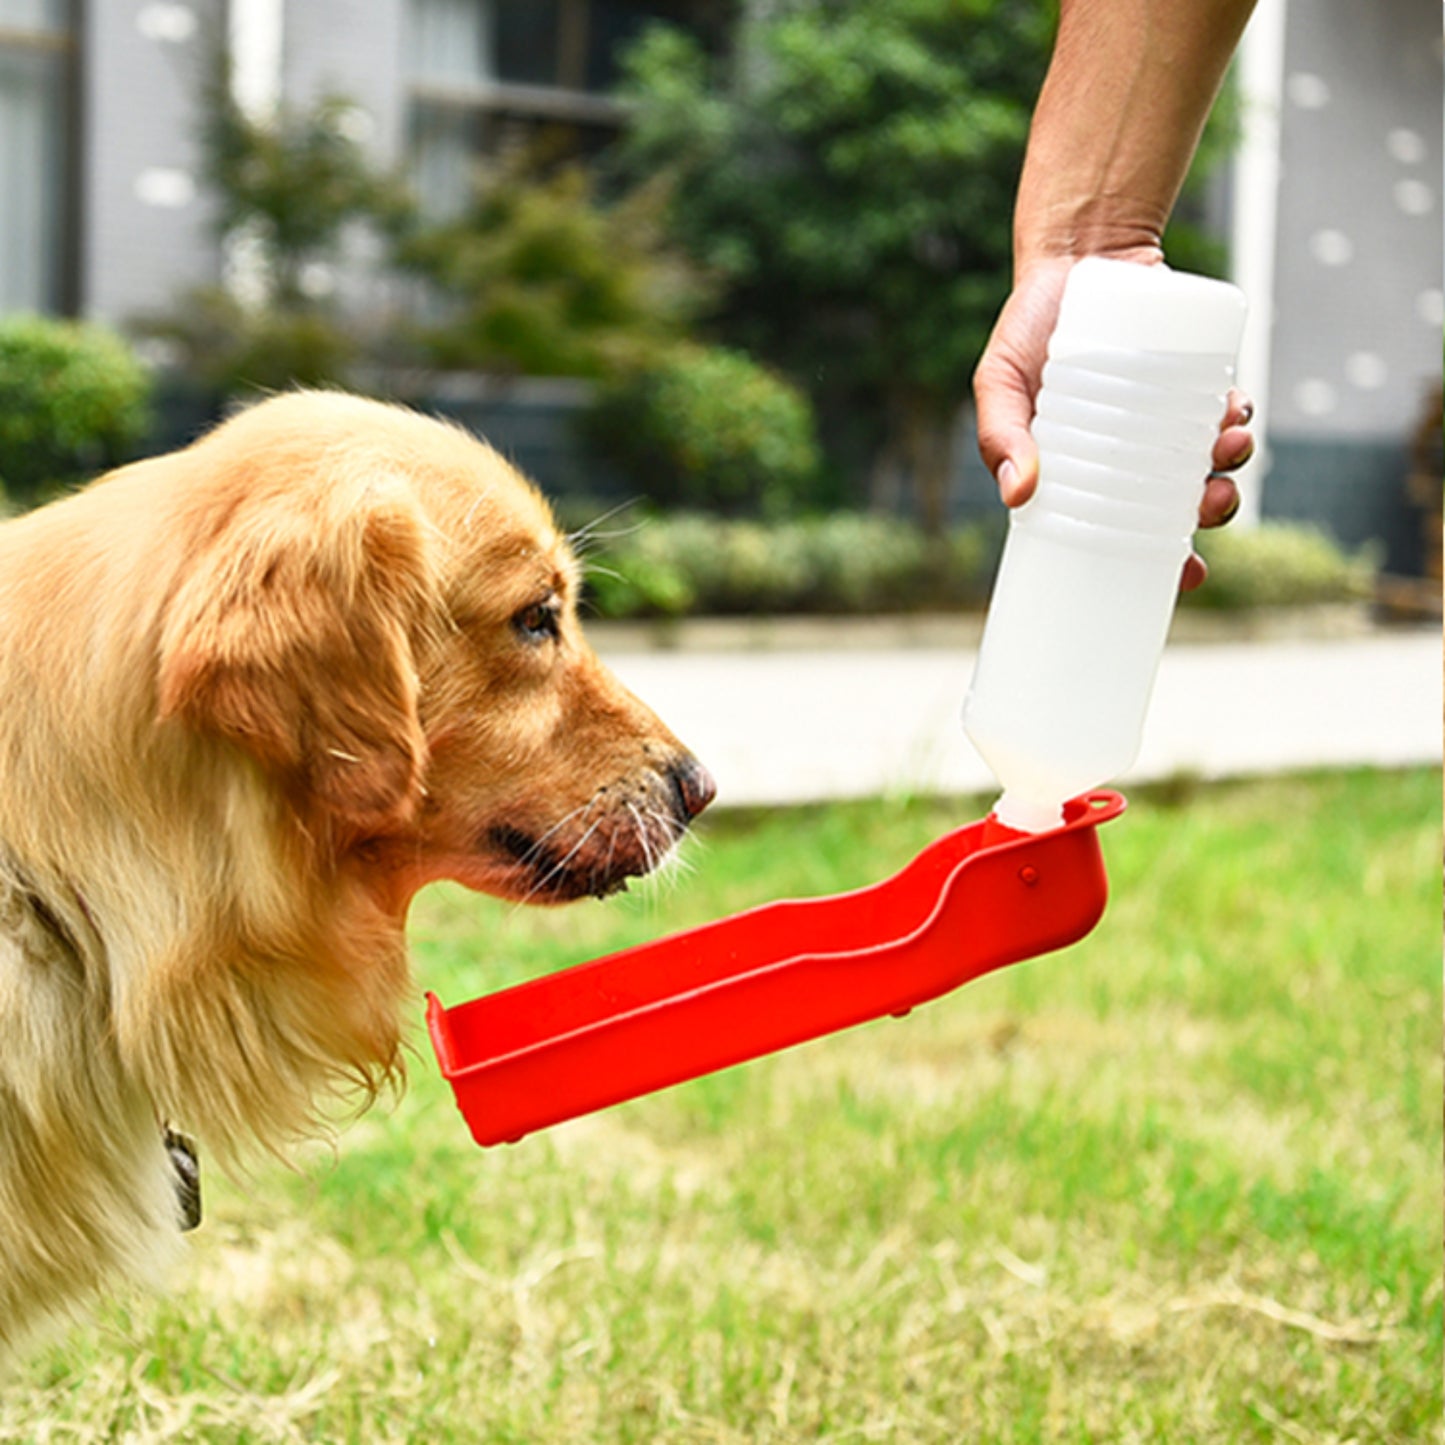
[960, 631]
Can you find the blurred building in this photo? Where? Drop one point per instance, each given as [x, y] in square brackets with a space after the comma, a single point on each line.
[1336, 220]
[103, 211]
[1334, 203]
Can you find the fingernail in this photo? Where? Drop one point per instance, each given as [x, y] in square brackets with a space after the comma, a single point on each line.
[1008, 479]
[1246, 413]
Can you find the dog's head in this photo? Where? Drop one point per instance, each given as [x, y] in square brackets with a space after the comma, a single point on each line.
[382, 615]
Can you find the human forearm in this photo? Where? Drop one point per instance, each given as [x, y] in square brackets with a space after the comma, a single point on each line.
[1128, 91]
[1129, 88]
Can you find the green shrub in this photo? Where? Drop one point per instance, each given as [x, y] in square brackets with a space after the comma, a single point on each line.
[539, 278]
[639, 578]
[704, 427]
[881, 564]
[851, 563]
[839, 564]
[233, 349]
[1280, 564]
[73, 399]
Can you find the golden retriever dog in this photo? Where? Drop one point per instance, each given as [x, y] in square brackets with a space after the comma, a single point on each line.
[253, 695]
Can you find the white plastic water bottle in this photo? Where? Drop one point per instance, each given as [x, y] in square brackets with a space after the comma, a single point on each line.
[1134, 390]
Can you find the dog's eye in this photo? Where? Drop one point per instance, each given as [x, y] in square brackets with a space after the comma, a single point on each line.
[538, 622]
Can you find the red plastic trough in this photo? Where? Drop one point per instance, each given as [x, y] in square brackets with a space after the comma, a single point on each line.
[632, 1022]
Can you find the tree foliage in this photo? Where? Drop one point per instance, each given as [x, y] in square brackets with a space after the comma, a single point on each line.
[537, 277]
[292, 183]
[288, 189]
[849, 173]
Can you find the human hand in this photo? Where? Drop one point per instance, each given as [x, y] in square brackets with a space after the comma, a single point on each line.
[1007, 381]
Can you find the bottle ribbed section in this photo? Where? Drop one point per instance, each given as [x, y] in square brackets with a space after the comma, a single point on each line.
[1120, 437]
[1133, 395]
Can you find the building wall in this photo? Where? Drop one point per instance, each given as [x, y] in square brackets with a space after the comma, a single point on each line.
[147, 232]
[1358, 306]
[353, 49]
[1356, 345]
[146, 223]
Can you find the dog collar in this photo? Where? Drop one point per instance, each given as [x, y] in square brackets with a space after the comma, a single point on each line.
[187, 1168]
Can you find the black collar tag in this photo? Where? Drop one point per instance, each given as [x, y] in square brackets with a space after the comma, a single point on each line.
[188, 1178]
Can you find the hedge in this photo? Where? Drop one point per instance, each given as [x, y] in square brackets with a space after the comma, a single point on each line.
[692, 564]
[845, 563]
[73, 399]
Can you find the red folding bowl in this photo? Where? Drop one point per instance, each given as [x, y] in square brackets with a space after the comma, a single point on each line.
[627, 1024]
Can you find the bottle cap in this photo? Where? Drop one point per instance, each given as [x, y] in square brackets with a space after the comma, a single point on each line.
[1126, 306]
[1027, 815]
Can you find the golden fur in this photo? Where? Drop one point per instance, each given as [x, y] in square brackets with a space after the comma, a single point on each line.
[255, 694]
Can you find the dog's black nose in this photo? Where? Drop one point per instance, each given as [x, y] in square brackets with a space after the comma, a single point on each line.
[694, 784]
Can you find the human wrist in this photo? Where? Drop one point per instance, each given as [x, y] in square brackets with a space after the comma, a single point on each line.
[1065, 231]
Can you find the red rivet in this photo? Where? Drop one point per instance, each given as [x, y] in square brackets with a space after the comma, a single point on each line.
[1029, 876]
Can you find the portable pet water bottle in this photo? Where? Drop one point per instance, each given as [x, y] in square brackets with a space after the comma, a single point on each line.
[1134, 390]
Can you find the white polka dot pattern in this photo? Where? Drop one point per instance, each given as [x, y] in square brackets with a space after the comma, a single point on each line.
[1358, 305]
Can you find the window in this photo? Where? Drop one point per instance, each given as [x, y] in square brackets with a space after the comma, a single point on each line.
[486, 73]
[35, 144]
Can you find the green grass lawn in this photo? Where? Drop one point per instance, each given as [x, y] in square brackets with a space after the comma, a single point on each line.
[1179, 1183]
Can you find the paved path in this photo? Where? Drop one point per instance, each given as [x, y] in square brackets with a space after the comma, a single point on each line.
[806, 724]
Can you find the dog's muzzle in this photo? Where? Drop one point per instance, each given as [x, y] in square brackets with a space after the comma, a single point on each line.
[625, 831]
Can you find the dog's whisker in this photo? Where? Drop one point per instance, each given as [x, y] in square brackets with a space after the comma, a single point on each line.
[535, 855]
[536, 850]
[638, 831]
[604, 870]
[559, 868]
[591, 531]
[539, 844]
[668, 825]
[644, 838]
[653, 832]
[596, 569]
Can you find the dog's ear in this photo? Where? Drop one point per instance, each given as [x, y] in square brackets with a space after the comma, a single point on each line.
[292, 635]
